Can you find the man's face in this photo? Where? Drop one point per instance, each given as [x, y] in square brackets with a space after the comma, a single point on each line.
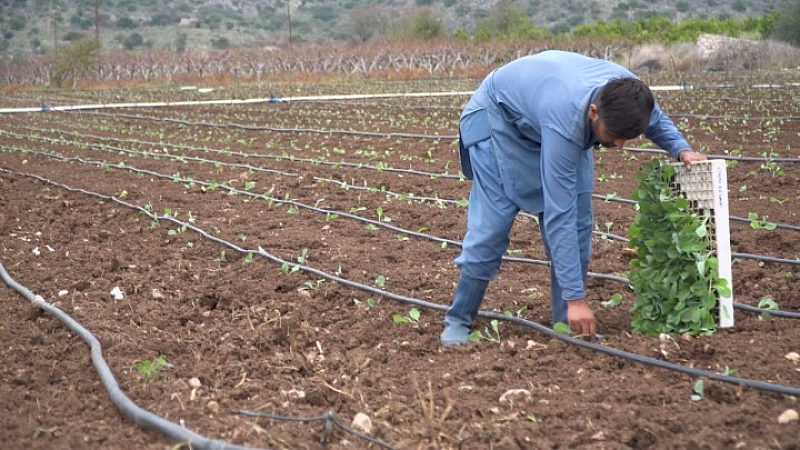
[599, 130]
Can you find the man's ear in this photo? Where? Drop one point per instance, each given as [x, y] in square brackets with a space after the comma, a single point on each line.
[593, 115]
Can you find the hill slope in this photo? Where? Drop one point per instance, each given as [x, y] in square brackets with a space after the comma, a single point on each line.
[32, 26]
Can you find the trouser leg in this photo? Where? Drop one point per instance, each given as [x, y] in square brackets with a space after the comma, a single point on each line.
[585, 225]
[489, 218]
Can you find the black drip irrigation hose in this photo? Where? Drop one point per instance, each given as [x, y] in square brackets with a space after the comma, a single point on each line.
[755, 384]
[128, 408]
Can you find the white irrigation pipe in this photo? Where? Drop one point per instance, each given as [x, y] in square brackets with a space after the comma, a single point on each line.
[46, 108]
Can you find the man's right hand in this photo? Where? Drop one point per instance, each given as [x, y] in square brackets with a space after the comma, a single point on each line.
[581, 318]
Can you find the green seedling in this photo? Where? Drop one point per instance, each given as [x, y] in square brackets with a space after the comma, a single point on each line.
[411, 317]
[532, 418]
[615, 300]
[492, 335]
[150, 370]
[769, 304]
[730, 371]
[518, 313]
[312, 285]
[380, 281]
[697, 391]
[561, 327]
[757, 224]
[370, 302]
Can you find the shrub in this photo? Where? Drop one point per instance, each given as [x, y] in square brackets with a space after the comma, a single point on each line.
[787, 26]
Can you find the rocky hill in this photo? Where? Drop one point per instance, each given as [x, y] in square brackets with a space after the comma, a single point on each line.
[34, 26]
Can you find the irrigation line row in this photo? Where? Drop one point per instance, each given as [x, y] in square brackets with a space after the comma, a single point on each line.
[381, 224]
[390, 135]
[601, 234]
[700, 373]
[387, 135]
[285, 157]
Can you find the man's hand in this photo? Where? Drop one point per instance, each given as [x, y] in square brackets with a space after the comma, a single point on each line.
[688, 156]
[581, 318]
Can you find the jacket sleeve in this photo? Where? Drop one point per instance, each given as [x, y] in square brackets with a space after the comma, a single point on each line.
[665, 134]
[559, 171]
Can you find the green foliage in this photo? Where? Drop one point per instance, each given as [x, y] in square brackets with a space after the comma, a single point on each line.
[787, 26]
[133, 41]
[125, 22]
[561, 327]
[81, 55]
[508, 21]
[424, 26]
[220, 42]
[412, 317]
[674, 274]
[662, 29]
[180, 42]
[150, 370]
[492, 335]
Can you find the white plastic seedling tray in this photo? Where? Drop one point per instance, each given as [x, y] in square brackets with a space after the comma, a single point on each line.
[706, 188]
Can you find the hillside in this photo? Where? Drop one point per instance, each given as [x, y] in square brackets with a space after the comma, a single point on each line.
[32, 26]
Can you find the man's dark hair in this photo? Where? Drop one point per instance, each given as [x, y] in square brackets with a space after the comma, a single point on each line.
[624, 105]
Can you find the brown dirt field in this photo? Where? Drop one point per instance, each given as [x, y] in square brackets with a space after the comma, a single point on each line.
[261, 338]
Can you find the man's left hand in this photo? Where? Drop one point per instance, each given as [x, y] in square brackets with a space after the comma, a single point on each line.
[687, 157]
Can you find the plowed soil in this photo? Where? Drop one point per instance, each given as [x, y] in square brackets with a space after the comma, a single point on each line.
[243, 332]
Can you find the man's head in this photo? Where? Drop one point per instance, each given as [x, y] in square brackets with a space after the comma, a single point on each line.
[621, 111]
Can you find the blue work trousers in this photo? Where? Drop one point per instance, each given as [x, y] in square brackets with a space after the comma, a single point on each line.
[490, 216]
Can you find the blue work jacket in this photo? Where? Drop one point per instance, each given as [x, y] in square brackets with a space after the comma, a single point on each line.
[535, 110]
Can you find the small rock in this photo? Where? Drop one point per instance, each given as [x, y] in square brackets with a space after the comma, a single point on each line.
[304, 293]
[62, 293]
[156, 294]
[362, 422]
[793, 356]
[515, 394]
[466, 388]
[599, 436]
[789, 415]
[213, 406]
[195, 383]
[295, 394]
[116, 293]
